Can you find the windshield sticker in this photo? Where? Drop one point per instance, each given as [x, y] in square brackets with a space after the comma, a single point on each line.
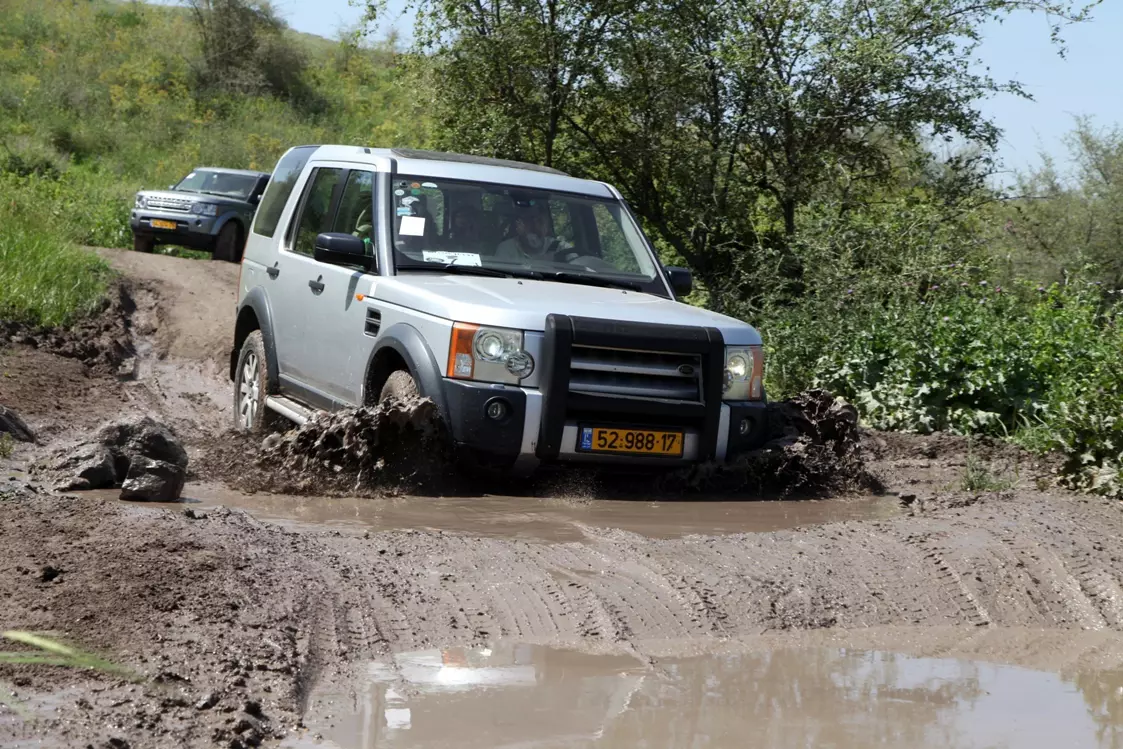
[414, 192]
[404, 211]
[399, 193]
[409, 200]
[412, 226]
[430, 185]
[415, 185]
[451, 258]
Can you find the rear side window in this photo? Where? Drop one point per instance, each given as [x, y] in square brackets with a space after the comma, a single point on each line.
[280, 188]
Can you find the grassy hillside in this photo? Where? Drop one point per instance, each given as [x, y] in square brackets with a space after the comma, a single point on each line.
[99, 99]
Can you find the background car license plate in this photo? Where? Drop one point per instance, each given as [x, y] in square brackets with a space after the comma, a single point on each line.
[158, 224]
[630, 441]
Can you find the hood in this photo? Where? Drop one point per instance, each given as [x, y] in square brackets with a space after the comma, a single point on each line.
[176, 197]
[524, 303]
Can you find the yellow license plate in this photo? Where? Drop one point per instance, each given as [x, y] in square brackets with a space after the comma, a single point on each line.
[630, 441]
[161, 224]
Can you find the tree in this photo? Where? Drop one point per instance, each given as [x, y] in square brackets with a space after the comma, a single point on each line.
[719, 121]
[1059, 223]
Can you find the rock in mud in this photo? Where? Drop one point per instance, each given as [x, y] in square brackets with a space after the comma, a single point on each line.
[143, 437]
[151, 480]
[141, 455]
[88, 467]
[11, 423]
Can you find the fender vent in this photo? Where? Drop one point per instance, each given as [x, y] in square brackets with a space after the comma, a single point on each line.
[374, 323]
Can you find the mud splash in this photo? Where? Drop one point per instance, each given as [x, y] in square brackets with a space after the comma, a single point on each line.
[815, 447]
[390, 448]
[515, 694]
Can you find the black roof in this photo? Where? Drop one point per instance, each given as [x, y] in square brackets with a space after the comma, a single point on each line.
[414, 153]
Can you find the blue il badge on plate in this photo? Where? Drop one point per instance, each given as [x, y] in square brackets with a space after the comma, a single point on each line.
[586, 438]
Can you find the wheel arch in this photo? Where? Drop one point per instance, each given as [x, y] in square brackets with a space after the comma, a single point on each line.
[403, 347]
[253, 314]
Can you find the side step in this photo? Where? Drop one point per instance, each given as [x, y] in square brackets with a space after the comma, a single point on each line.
[288, 408]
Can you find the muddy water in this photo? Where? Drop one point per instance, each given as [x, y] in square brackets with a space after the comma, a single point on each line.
[511, 695]
[541, 519]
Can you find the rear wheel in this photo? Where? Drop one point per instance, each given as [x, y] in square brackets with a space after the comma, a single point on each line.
[228, 246]
[143, 243]
[251, 383]
[399, 385]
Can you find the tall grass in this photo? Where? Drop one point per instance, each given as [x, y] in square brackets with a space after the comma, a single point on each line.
[45, 279]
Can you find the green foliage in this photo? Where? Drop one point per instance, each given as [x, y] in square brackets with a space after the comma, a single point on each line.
[977, 476]
[7, 445]
[44, 278]
[1060, 222]
[719, 121]
[959, 353]
[50, 652]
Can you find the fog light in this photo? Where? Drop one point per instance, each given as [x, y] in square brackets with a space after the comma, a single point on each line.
[745, 427]
[497, 409]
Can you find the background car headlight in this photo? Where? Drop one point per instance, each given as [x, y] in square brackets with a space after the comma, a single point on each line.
[744, 373]
[204, 209]
[140, 202]
[487, 354]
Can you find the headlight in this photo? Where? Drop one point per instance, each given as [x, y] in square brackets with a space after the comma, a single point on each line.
[204, 209]
[140, 202]
[744, 372]
[488, 354]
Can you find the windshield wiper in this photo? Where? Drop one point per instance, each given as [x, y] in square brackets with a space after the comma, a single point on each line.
[581, 278]
[467, 270]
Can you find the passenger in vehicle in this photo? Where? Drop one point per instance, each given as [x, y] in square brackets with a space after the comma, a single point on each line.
[465, 232]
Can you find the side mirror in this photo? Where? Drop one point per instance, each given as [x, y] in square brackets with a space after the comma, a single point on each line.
[336, 248]
[681, 280]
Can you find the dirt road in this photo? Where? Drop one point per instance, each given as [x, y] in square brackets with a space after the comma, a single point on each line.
[241, 622]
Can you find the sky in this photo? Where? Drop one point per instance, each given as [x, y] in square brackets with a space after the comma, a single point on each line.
[1088, 81]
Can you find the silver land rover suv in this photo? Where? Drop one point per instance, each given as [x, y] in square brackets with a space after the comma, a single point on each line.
[526, 303]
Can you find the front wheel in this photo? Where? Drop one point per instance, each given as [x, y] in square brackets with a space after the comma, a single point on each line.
[251, 384]
[143, 243]
[227, 246]
[401, 386]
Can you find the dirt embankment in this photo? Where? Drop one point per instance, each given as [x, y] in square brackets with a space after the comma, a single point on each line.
[233, 621]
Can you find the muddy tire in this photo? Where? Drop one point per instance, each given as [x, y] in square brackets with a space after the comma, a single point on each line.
[143, 243]
[228, 246]
[251, 384]
[400, 385]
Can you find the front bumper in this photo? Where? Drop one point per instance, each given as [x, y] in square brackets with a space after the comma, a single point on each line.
[543, 425]
[191, 230]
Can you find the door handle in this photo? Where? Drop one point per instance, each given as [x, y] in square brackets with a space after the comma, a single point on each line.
[273, 271]
[316, 286]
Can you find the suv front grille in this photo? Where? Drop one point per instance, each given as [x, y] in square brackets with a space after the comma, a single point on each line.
[169, 204]
[646, 374]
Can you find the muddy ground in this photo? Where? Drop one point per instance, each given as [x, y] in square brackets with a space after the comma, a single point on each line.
[233, 622]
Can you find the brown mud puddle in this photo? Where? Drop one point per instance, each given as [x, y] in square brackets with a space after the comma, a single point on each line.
[511, 694]
[536, 518]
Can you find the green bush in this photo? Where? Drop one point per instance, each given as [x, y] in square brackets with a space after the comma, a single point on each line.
[1041, 365]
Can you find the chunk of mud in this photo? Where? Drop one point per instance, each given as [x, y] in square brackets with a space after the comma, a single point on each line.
[12, 424]
[151, 480]
[814, 446]
[394, 446]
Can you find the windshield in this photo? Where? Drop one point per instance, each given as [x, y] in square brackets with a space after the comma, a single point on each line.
[500, 229]
[218, 183]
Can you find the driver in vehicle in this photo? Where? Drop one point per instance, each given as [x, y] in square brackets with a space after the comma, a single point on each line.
[531, 238]
[466, 231]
